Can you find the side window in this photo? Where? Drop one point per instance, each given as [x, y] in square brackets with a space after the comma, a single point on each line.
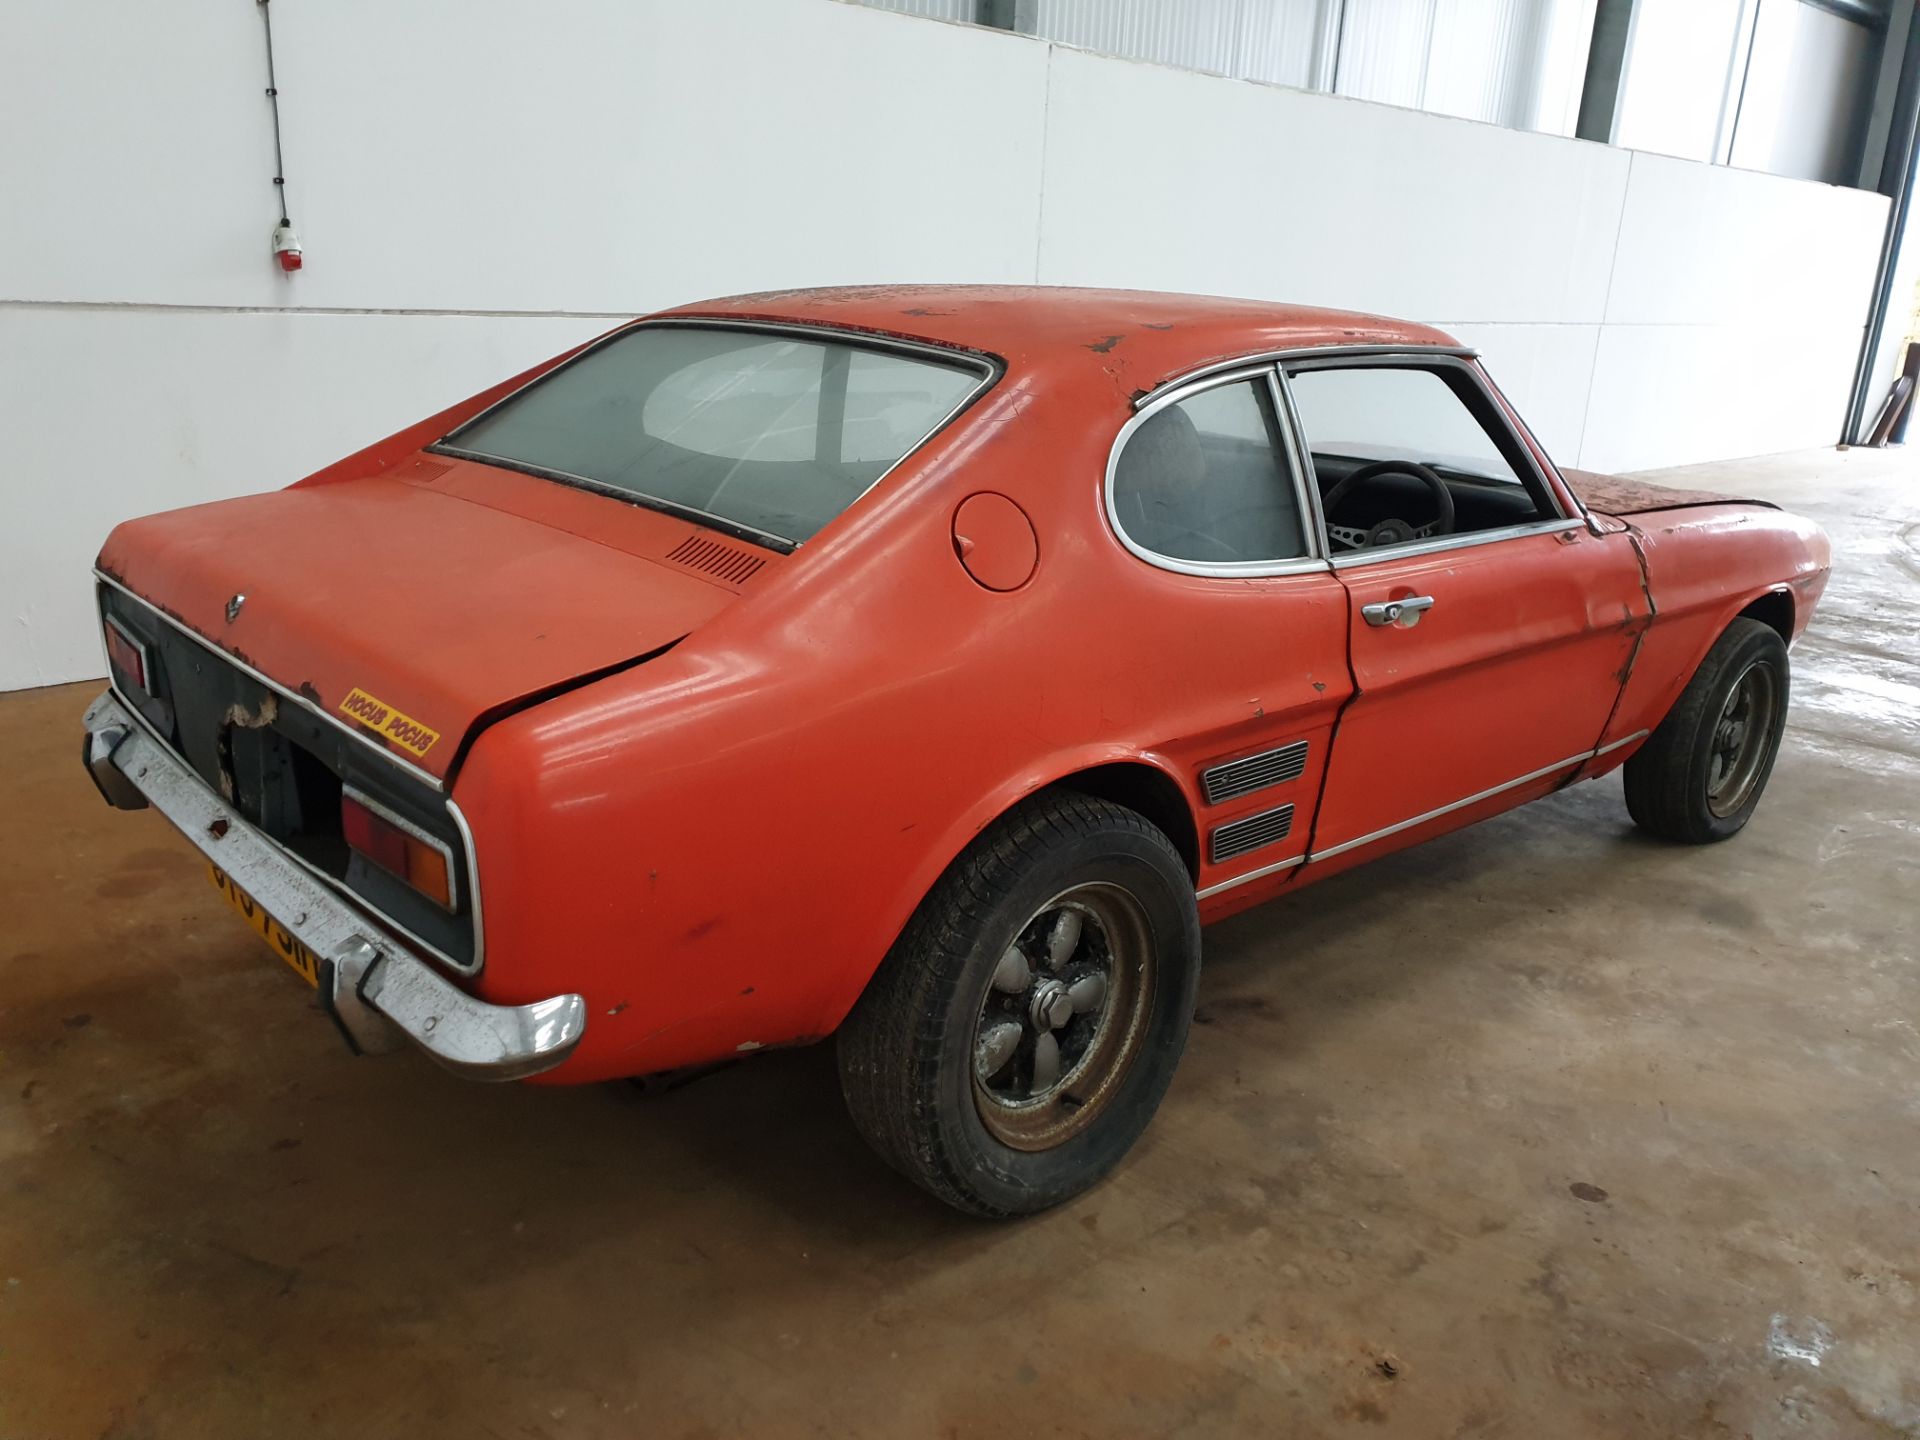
[1386, 441]
[1206, 480]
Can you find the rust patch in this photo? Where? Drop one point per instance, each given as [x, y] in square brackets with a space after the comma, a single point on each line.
[1102, 346]
[310, 691]
[218, 829]
[269, 711]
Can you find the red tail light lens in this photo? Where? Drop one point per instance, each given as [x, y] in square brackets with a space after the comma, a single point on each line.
[126, 655]
[382, 837]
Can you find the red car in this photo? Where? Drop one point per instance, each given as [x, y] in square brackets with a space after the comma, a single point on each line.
[918, 666]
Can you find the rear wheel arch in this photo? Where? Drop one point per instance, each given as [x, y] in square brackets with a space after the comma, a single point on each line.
[1149, 791]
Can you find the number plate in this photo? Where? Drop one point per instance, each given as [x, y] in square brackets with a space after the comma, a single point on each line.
[280, 940]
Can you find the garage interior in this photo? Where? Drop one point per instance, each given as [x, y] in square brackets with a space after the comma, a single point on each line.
[1541, 1128]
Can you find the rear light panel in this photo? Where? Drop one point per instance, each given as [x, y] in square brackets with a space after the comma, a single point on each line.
[126, 655]
[398, 846]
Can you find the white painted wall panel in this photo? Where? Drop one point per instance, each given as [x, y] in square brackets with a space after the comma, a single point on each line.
[597, 157]
[1247, 190]
[1706, 245]
[1676, 394]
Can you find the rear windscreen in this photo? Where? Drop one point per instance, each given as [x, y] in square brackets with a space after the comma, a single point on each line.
[772, 434]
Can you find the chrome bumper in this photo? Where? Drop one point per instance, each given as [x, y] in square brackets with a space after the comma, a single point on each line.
[376, 989]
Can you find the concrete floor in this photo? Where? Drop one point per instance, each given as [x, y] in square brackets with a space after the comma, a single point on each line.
[1542, 1130]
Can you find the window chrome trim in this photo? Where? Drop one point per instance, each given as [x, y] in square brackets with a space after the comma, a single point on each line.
[990, 368]
[1442, 543]
[1314, 561]
[345, 891]
[1301, 352]
[353, 732]
[400, 822]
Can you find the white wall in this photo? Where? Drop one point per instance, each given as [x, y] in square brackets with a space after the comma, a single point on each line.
[479, 183]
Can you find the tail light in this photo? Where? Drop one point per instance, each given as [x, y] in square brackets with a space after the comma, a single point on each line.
[397, 846]
[126, 655]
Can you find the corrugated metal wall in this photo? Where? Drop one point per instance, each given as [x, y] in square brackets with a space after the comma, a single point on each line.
[967, 10]
[1279, 41]
[1517, 63]
[1511, 62]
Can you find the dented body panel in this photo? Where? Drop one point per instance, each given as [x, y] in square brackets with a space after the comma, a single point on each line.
[706, 782]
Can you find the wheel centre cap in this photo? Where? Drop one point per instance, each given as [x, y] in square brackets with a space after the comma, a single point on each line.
[1052, 1006]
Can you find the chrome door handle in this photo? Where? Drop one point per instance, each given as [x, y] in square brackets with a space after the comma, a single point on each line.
[1405, 613]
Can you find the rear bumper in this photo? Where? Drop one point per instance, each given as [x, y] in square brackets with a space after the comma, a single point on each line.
[378, 990]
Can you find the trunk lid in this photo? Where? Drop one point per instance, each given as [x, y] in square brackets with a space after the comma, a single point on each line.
[417, 603]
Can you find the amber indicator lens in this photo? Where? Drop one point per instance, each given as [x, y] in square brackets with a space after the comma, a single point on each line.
[396, 850]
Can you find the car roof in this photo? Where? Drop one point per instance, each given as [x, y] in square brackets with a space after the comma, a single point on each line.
[1153, 335]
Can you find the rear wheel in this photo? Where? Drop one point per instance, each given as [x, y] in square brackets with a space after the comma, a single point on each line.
[1021, 1033]
[1701, 773]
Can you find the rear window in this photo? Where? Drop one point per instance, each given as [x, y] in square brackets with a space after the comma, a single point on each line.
[771, 435]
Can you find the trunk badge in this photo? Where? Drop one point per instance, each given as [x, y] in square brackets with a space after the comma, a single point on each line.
[233, 608]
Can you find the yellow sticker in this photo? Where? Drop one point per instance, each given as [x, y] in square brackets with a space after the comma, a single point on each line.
[383, 719]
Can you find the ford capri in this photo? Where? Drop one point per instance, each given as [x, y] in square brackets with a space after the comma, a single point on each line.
[921, 667]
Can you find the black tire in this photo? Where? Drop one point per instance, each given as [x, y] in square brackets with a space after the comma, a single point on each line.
[1679, 785]
[910, 1050]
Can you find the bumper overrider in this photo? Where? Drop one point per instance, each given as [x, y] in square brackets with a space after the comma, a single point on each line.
[378, 991]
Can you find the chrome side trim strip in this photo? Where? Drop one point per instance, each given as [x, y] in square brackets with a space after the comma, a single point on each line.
[1475, 799]
[1251, 875]
[354, 732]
[1609, 749]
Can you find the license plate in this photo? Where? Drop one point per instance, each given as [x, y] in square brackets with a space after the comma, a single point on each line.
[280, 940]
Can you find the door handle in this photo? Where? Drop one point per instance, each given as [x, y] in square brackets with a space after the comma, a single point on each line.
[1404, 613]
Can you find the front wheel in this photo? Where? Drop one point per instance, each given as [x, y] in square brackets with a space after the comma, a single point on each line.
[1701, 773]
[1022, 1031]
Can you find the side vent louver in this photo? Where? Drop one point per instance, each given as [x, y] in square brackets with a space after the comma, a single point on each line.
[716, 558]
[1256, 772]
[1252, 833]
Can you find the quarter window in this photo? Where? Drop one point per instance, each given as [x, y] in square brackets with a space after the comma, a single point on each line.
[1205, 480]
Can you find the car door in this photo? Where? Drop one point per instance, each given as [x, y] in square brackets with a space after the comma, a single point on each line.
[1486, 657]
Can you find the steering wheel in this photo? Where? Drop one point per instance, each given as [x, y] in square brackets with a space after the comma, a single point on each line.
[1390, 531]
